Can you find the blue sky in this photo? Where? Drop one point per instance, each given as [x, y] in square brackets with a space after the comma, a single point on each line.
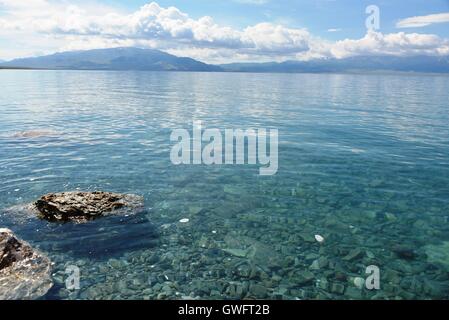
[237, 30]
[316, 15]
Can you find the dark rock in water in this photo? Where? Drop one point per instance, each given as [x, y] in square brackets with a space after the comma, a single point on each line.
[404, 252]
[25, 274]
[85, 206]
[354, 254]
[438, 254]
[258, 291]
[103, 238]
[338, 288]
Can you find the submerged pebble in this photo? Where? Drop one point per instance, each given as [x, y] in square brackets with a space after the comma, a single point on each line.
[359, 282]
[319, 238]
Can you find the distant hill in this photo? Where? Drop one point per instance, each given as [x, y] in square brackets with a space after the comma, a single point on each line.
[155, 60]
[112, 59]
[353, 64]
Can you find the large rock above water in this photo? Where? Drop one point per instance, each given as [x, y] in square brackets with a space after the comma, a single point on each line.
[85, 206]
[25, 274]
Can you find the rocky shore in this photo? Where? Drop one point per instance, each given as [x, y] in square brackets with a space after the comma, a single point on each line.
[25, 273]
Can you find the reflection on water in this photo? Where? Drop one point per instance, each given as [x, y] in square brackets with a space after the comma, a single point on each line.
[363, 162]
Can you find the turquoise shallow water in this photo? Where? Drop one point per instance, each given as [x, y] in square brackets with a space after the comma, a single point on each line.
[363, 162]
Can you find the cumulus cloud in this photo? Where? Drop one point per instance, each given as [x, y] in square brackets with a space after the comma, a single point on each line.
[171, 30]
[423, 21]
[398, 44]
[167, 28]
[170, 25]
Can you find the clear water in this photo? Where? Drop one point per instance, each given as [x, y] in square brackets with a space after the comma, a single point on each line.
[363, 162]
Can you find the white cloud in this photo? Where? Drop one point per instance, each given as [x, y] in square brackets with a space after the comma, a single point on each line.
[166, 28]
[266, 38]
[422, 21]
[70, 27]
[170, 25]
[397, 44]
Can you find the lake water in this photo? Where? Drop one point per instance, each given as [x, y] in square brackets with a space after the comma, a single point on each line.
[363, 162]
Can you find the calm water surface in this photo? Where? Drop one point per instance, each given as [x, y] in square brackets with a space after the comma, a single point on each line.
[363, 162]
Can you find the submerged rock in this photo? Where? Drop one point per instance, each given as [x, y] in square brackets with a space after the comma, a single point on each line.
[359, 282]
[354, 254]
[122, 230]
[404, 252]
[258, 291]
[320, 263]
[304, 278]
[237, 252]
[35, 134]
[25, 274]
[438, 254]
[252, 249]
[85, 206]
[338, 288]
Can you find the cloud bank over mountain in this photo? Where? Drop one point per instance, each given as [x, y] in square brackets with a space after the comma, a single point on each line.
[72, 27]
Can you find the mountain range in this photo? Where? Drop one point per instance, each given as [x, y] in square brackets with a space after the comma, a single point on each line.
[428, 64]
[155, 60]
[112, 59]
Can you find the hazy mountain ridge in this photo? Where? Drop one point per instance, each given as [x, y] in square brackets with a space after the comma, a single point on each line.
[354, 64]
[155, 60]
[113, 59]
